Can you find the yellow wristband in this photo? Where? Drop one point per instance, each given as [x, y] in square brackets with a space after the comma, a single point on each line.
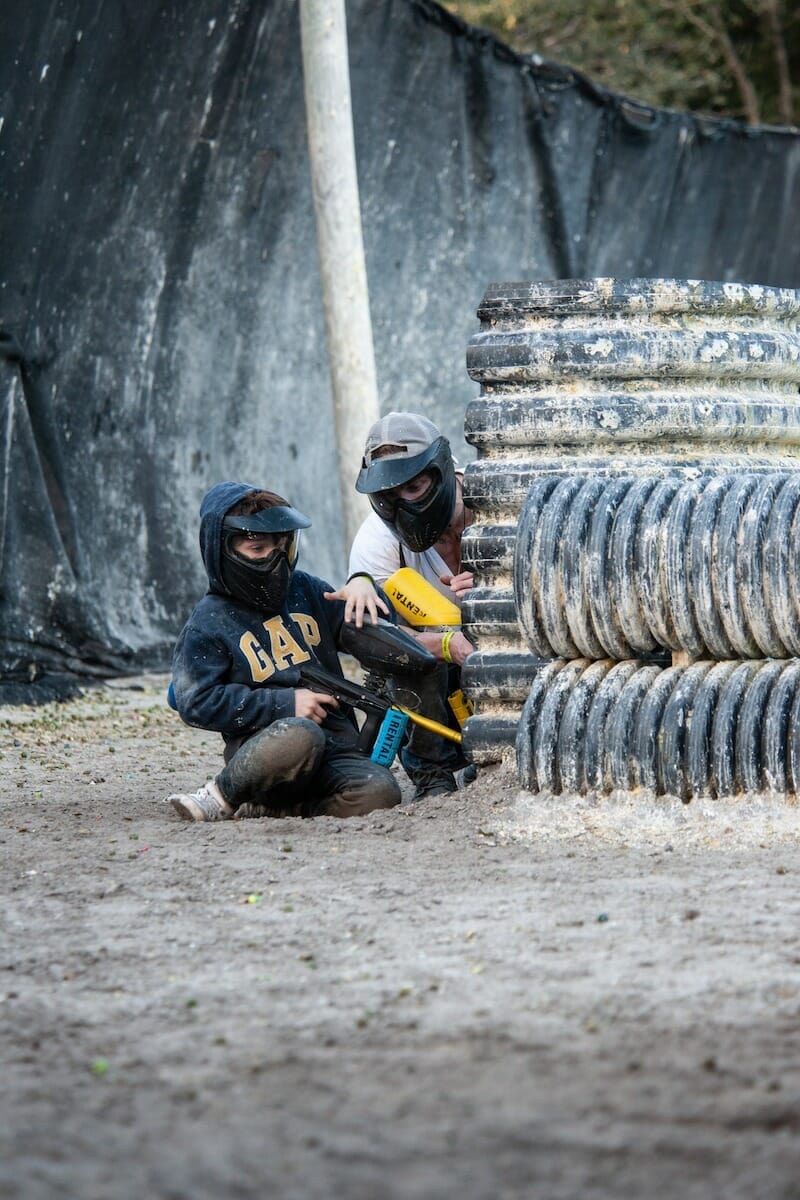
[446, 640]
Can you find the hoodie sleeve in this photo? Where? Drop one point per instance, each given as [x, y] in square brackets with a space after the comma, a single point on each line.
[206, 698]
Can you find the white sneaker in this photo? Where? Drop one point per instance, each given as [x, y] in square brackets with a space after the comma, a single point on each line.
[206, 804]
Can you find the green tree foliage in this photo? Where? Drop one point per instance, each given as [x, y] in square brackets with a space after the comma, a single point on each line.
[733, 58]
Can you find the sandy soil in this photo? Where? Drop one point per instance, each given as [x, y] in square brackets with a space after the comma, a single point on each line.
[485, 995]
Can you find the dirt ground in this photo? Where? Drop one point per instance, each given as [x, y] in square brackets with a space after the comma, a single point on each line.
[488, 995]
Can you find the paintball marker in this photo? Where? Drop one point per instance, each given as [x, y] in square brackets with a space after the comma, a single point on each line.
[392, 658]
[420, 604]
[385, 721]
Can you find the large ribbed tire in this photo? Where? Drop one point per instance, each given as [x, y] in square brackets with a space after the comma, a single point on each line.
[671, 384]
[526, 756]
[607, 329]
[498, 685]
[628, 566]
[708, 729]
[537, 569]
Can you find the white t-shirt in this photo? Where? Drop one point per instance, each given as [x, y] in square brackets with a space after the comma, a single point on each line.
[377, 550]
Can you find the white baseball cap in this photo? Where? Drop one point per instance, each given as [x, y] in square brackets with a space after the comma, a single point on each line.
[411, 433]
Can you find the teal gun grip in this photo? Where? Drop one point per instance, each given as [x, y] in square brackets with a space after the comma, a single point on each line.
[390, 735]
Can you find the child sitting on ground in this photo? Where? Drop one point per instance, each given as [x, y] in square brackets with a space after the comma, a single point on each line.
[288, 750]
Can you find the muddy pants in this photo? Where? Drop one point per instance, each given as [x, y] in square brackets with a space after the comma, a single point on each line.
[296, 769]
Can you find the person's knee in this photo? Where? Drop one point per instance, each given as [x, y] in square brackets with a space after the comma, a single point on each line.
[381, 791]
[289, 749]
[386, 792]
[293, 739]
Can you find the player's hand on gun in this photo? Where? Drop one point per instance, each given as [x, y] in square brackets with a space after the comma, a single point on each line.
[359, 597]
[459, 584]
[313, 705]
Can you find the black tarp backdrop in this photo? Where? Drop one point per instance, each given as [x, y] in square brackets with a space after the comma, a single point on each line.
[160, 307]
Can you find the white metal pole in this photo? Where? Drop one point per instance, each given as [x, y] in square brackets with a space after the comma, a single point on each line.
[345, 294]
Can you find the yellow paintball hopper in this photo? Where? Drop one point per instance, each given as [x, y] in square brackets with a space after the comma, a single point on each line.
[419, 602]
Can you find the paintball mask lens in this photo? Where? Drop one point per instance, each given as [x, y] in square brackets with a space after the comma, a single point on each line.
[418, 492]
[280, 521]
[262, 550]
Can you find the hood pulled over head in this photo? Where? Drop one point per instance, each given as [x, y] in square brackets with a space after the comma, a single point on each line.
[260, 582]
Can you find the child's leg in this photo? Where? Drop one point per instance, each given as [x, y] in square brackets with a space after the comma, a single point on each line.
[273, 766]
[348, 784]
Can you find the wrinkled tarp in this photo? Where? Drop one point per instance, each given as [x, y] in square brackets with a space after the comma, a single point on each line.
[161, 314]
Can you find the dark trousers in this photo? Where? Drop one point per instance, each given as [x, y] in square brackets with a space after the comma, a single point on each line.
[427, 694]
[295, 768]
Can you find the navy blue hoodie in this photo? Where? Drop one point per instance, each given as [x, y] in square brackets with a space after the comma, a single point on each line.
[234, 668]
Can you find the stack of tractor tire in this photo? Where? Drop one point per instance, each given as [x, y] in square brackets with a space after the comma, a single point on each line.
[636, 536]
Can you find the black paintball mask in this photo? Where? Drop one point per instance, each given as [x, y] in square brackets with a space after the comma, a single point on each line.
[418, 523]
[262, 582]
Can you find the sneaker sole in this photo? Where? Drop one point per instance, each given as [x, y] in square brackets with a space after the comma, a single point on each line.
[184, 810]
